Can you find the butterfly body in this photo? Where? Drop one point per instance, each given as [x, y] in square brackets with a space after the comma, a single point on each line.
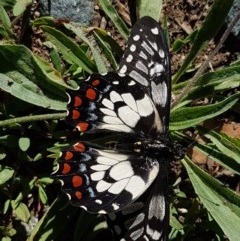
[129, 180]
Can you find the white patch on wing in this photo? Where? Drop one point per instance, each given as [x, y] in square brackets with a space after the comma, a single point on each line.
[115, 206]
[120, 128]
[112, 120]
[100, 167]
[140, 217]
[158, 207]
[115, 97]
[145, 106]
[153, 233]
[137, 234]
[107, 103]
[97, 176]
[129, 58]
[161, 53]
[143, 55]
[131, 83]
[145, 238]
[123, 70]
[98, 201]
[102, 186]
[138, 77]
[117, 187]
[130, 101]
[142, 67]
[106, 160]
[136, 186]
[108, 112]
[159, 93]
[155, 31]
[136, 37]
[156, 70]
[147, 48]
[133, 48]
[121, 170]
[128, 116]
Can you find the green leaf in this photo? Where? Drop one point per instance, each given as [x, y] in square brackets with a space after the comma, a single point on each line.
[189, 116]
[220, 157]
[48, 227]
[109, 46]
[24, 143]
[7, 3]
[42, 195]
[21, 211]
[227, 145]
[97, 57]
[151, 8]
[221, 202]
[29, 92]
[21, 6]
[5, 21]
[113, 15]
[6, 173]
[210, 27]
[70, 50]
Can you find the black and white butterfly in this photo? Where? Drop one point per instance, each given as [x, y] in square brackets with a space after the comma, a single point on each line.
[128, 181]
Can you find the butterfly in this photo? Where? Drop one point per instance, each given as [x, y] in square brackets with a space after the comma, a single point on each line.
[128, 180]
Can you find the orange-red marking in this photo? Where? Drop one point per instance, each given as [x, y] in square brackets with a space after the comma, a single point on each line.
[96, 82]
[77, 181]
[91, 94]
[79, 147]
[75, 114]
[82, 126]
[78, 195]
[68, 155]
[66, 168]
[77, 101]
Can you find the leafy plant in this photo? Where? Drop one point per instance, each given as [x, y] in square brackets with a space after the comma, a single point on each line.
[33, 131]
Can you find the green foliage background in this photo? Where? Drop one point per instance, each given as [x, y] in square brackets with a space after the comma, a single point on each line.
[32, 111]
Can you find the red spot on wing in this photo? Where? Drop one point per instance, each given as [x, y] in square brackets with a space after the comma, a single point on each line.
[75, 114]
[91, 94]
[77, 101]
[83, 126]
[77, 181]
[78, 195]
[68, 155]
[96, 82]
[79, 147]
[66, 168]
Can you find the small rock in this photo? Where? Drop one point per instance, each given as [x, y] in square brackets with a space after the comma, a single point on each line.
[80, 11]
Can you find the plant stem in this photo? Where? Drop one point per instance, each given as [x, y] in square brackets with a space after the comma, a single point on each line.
[32, 118]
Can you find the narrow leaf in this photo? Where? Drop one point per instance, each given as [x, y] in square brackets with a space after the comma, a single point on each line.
[221, 202]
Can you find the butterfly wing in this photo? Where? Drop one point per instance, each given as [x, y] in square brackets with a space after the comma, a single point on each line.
[146, 60]
[148, 217]
[103, 181]
[112, 103]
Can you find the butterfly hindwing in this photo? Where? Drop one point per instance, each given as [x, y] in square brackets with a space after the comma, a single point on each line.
[103, 181]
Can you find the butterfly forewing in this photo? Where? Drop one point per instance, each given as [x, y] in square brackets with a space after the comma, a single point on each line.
[146, 60]
[113, 103]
